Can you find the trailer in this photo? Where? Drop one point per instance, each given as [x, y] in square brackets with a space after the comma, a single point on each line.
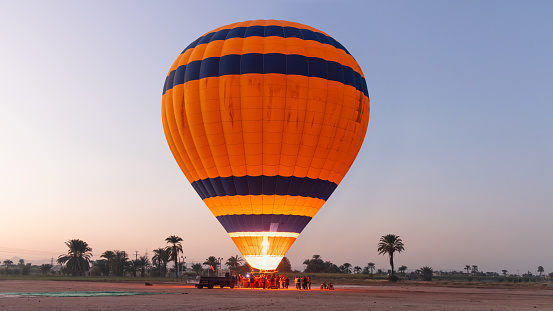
[229, 280]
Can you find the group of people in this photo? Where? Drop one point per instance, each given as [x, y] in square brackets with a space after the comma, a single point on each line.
[273, 281]
[329, 286]
[302, 282]
[264, 281]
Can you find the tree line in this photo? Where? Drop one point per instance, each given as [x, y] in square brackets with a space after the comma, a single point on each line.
[78, 262]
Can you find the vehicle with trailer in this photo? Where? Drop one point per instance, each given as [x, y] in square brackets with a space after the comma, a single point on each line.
[228, 279]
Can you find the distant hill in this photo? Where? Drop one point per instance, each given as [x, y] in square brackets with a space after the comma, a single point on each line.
[37, 262]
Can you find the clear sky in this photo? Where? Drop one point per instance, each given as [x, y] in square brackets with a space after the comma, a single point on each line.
[457, 160]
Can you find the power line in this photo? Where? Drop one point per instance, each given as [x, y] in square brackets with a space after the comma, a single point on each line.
[24, 251]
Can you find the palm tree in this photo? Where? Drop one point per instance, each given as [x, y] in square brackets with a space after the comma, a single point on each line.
[402, 269]
[474, 269]
[120, 262]
[388, 245]
[211, 261]
[234, 262]
[540, 270]
[7, 263]
[108, 255]
[45, 268]
[284, 265]
[132, 266]
[161, 258]
[467, 267]
[156, 259]
[197, 267]
[346, 268]
[426, 273]
[371, 266]
[141, 264]
[315, 264]
[504, 272]
[175, 250]
[357, 270]
[78, 257]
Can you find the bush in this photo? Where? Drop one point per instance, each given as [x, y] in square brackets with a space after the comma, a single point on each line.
[26, 269]
[15, 271]
[426, 273]
[392, 278]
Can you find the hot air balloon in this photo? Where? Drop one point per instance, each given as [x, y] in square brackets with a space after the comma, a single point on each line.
[265, 118]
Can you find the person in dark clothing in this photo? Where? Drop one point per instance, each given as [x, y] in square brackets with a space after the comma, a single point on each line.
[286, 282]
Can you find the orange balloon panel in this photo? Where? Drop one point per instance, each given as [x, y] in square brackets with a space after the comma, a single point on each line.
[265, 118]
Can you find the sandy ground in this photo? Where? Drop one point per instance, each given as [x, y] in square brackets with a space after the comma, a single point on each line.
[179, 297]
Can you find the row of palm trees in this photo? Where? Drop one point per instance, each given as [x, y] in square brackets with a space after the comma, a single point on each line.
[212, 263]
[388, 245]
[78, 261]
[117, 263]
[25, 268]
[164, 255]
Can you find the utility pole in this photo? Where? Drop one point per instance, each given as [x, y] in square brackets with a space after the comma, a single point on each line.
[136, 255]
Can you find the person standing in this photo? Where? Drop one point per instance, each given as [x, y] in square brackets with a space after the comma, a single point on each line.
[287, 282]
[309, 282]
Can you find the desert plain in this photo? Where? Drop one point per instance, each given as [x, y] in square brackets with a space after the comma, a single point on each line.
[176, 296]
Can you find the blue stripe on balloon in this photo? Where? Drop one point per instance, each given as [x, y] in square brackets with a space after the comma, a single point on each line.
[262, 223]
[264, 185]
[265, 64]
[266, 31]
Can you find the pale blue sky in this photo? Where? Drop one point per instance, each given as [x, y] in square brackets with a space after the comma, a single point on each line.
[457, 157]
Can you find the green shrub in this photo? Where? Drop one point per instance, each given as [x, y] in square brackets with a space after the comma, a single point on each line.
[426, 273]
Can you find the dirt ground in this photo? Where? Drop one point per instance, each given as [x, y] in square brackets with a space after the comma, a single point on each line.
[179, 297]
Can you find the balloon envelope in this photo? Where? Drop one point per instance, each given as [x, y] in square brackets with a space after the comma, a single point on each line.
[265, 118]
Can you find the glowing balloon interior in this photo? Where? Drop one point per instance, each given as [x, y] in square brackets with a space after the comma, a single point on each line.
[265, 118]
